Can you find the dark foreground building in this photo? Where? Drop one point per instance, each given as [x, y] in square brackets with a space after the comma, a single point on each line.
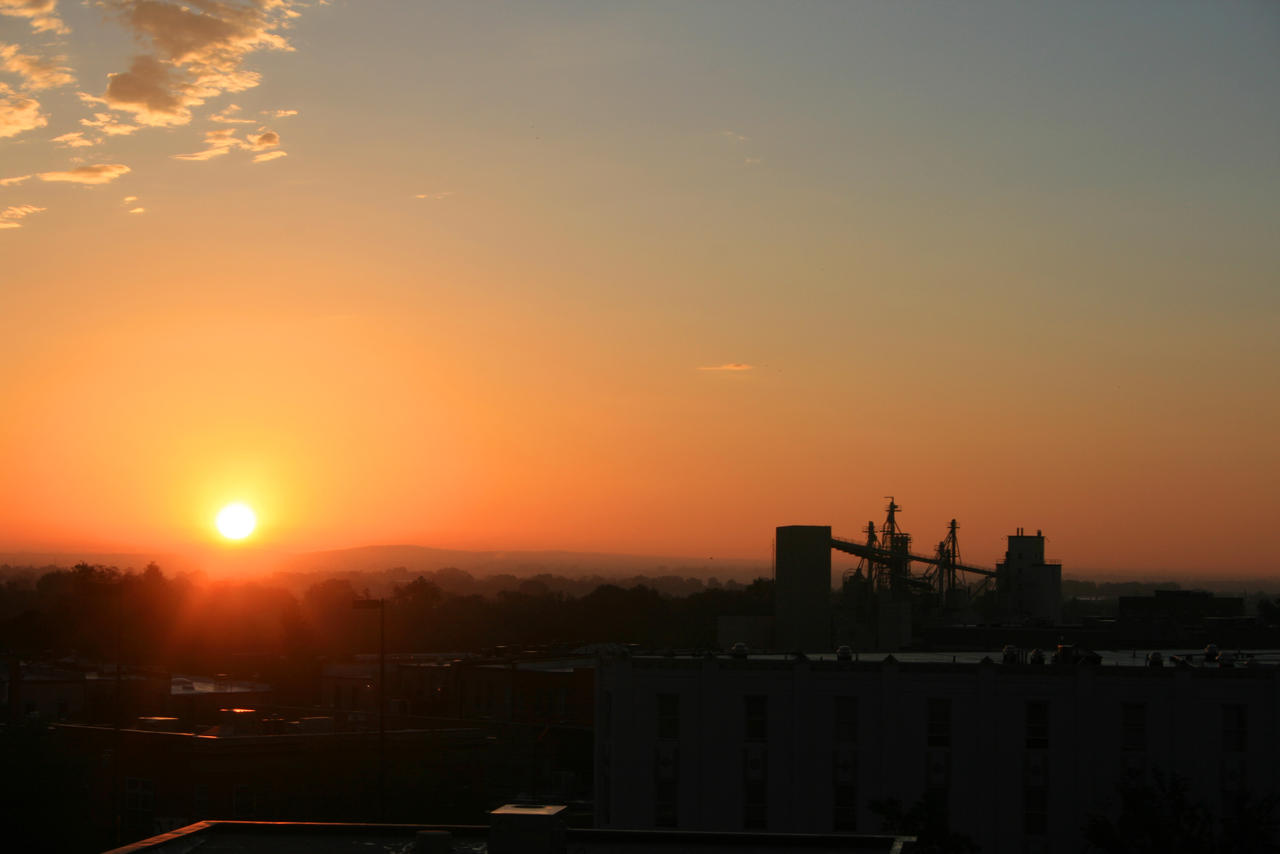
[512, 829]
[1016, 757]
[139, 782]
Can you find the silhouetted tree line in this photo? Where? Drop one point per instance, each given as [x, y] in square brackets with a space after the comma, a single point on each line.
[190, 623]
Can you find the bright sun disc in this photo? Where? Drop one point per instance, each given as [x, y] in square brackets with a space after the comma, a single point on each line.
[236, 521]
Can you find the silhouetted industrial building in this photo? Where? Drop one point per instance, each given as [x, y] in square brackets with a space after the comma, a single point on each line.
[802, 587]
[1029, 589]
[884, 605]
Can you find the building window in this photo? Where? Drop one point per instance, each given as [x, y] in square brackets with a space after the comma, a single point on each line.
[939, 723]
[666, 809]
[1037, 725]
[243, 803]
[755, 763]
[844, 789]
[756, 714]
[605, 807]
[668, 716]
[666, 786]
[1133, 726]
[846, 720]
[1035, 810]
[139, 795]
[200, 802]
[755, 805]
[1235, 736]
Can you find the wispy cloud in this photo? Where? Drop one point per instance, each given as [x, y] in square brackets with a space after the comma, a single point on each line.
[228, 115]
[75, 139]
[217, 143]
[11, 216]
[280, 114]
[36, 73]
[223, 140]
[100, 173]
[108, 124]
[43, 14]
[444, 194]
[14, 181]
[138, 210]
[739, 141]
[268, 156]
[728, 366]
[19, 113]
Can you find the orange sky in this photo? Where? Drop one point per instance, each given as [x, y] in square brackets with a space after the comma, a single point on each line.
[617, 280]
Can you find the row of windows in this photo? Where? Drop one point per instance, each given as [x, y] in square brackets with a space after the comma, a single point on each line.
[140, 799]
[1133, 722]
[1133, 732]
[755, 717]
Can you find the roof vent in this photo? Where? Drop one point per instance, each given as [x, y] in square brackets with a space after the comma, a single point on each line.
[527, 829]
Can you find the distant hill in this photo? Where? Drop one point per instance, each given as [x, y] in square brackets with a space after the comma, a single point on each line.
[519, 563]
[418, 559]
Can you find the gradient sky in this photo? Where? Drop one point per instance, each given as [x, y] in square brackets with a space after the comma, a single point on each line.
[647, 278]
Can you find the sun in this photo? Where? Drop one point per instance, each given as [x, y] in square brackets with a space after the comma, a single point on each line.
[236, 521]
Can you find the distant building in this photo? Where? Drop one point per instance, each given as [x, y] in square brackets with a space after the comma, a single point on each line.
[753, 630]
[1015, 756]
[69, 691]
[1179, 607]
[547, 690]
[1029, 589]
[802, 587]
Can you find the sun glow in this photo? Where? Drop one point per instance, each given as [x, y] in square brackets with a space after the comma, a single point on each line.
[236, 521]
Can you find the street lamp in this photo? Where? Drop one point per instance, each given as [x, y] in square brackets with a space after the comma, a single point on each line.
[380, 604]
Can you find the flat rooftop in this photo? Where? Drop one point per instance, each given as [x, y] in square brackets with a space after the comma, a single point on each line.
[1109, 657]
[258, 837]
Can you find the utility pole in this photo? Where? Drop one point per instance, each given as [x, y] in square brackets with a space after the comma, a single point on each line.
[381, 605]
[382, 709]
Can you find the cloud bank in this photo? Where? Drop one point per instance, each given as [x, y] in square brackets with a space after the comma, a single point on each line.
[197, 51]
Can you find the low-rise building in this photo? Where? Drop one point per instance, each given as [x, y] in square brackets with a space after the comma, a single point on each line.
[1015, 756]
